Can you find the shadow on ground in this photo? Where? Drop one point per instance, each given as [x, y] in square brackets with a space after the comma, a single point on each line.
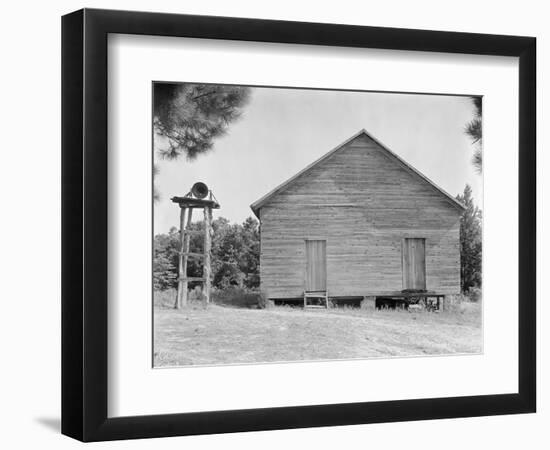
[52, 423]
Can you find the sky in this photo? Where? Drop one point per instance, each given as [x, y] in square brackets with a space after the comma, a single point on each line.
[281, 131]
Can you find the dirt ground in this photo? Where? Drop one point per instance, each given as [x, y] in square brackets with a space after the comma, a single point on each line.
[224, 335]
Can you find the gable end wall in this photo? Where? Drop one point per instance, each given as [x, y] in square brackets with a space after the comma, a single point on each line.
[363, 203]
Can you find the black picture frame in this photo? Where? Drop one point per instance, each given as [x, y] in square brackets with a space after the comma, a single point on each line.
[84, 224]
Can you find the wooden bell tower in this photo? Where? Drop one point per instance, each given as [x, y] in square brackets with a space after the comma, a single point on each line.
[199, 197]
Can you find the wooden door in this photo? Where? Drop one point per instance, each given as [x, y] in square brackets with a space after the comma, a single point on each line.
[414, 263]
[316, 265]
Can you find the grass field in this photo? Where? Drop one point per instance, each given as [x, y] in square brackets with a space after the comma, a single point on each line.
[225, 335]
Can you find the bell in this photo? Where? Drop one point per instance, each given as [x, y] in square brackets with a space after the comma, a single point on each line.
[200, 190]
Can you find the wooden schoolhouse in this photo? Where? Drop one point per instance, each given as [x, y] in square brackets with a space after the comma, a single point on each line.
[360, 223]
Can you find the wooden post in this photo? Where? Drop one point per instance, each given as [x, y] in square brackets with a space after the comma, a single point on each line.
[207, 249]
[177, 304]
[368, 303]
[181, 299]
[186, 240]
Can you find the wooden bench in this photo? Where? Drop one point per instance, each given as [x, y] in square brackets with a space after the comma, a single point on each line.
[413, 298]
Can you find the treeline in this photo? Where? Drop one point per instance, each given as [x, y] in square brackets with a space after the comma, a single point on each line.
[235, 255]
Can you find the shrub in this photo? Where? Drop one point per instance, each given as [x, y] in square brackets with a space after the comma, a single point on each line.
[263, 300]
[164, 298]
[237, 297]
[474, 293]
[457, 299]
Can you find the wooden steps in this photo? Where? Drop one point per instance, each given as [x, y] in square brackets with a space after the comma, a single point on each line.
[320, 295]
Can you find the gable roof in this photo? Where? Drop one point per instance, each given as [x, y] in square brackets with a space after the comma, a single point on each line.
[258, 204]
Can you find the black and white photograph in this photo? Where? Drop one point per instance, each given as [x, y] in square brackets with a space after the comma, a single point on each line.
[275, 225]
[297, 224]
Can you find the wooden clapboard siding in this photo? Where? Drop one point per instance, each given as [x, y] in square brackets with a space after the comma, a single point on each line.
[363, 203]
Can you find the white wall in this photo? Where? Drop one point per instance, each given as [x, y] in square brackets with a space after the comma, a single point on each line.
[30, 177]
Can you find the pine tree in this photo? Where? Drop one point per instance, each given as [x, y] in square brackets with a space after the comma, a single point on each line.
[470, 242]
[191, 116]
[474, 130]
[250, 259]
